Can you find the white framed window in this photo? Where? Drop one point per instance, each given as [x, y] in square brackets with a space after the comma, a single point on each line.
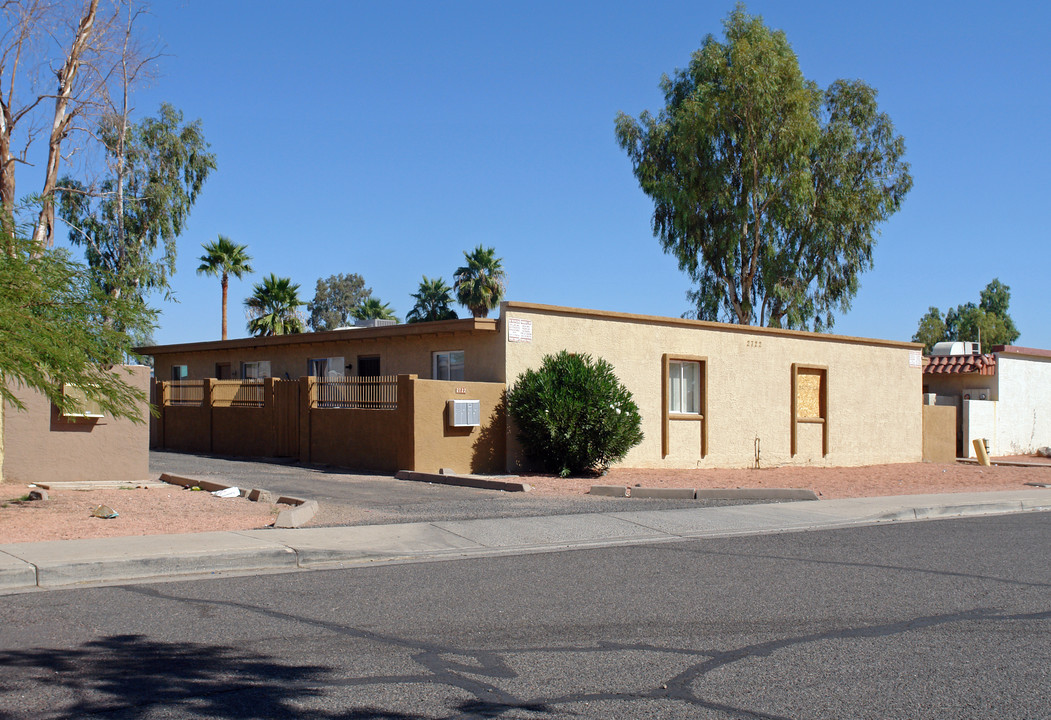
[447, 365]
[684, 387]
[325, 367]
[180, 372]
[255, 370]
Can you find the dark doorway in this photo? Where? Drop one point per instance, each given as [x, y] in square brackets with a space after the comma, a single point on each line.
[368, 365]
[223, 371]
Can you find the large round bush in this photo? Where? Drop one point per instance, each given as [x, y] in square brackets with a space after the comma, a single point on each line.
[574, 416]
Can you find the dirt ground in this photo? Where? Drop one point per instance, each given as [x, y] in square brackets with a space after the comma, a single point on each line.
[828, 483]
[67, 513]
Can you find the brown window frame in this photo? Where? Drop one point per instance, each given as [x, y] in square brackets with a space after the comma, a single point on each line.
[822, 406]
[667, 416]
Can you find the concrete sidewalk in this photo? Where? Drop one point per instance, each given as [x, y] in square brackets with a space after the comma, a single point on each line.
[57, 564]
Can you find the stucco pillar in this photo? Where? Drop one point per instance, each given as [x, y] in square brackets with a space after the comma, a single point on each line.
[406, 422]
[305, 405]
[206, 405]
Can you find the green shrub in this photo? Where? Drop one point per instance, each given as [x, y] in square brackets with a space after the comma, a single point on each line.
[573, 415]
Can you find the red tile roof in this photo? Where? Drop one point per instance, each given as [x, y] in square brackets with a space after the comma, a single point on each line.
[960, 364]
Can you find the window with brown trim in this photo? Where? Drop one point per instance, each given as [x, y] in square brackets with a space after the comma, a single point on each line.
[684, 396]
[810, 401]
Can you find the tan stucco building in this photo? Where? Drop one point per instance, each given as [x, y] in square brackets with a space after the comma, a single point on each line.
[709, 394]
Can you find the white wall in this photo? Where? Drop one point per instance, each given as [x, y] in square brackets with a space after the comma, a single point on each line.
[1023, 418]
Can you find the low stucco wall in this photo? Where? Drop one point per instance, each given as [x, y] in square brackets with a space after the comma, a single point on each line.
[939, 433]
[873, 387]
[469, 449]
[40, 445]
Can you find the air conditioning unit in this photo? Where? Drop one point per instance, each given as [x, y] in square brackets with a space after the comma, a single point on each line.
[464, 413]
[374, 322]
[956, 348]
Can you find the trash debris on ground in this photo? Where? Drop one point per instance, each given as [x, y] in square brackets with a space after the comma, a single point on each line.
[105, 512]
[230, 492]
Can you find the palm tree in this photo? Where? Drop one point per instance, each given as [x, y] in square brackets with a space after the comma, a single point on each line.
[432, 302]
[224, 258]
[480, 284]
[372, 308]
[274, 307]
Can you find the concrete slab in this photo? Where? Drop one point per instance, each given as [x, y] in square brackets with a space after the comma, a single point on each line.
[552, 531]
[665, 493]
[323, 546]
[100, 485]
[609, 490]
[296, 516]
[779, 494]
[506, 484]
[15, 573]
[189, 481]
[68, 562]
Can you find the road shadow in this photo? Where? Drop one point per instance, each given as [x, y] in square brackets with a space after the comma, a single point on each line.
[130, 676]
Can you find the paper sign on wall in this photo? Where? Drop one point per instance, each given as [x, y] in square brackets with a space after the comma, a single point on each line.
[915, 358]
[519, 330]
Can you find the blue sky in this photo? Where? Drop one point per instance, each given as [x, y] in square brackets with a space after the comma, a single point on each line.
[387, 138]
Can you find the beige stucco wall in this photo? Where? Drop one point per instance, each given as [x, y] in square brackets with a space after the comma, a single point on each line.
[399, 355]
[873, 390]
[42, 446]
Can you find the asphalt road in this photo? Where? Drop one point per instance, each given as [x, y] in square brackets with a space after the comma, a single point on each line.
[945, 619]
[348, 498]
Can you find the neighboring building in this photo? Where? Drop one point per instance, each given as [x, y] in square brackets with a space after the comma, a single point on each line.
[1003, 396]
[43, 445]
[710, 394]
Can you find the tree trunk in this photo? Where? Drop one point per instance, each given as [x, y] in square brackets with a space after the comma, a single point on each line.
[225, 283]
[7, 173]
[44, 232]
[3, 409]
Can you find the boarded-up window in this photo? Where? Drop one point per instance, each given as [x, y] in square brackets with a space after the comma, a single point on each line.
[809, 391]
[810, 401]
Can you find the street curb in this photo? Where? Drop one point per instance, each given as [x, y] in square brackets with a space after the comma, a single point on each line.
[963, 510]
[463, 481]
[106, 560]
[297, 516]
[16, 574]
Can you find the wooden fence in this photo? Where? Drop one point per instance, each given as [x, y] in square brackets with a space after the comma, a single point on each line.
[380, 424]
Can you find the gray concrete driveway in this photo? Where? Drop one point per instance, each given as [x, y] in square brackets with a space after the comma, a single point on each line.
[348, 498]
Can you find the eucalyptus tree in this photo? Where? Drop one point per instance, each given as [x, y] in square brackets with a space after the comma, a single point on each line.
[987, 322]
[481, 282]
[768, 190]
[432, 302]
[334, 300]
[222, 259]
[273, 307]
[128, 224]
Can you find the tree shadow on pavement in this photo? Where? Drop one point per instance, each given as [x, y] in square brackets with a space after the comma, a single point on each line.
[129, 676]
